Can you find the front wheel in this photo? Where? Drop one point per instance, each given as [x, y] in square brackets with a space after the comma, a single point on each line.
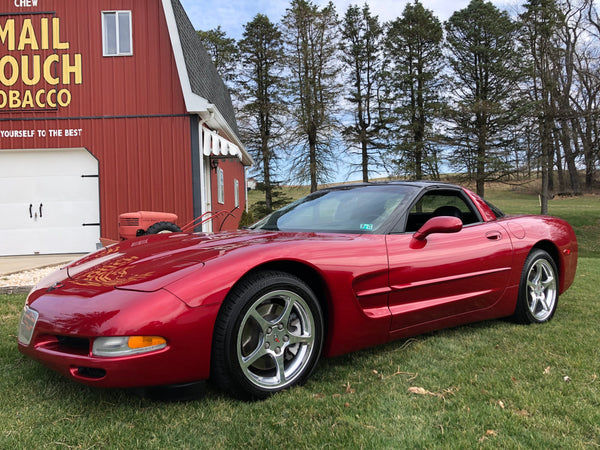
[538, 289]
[268, 336]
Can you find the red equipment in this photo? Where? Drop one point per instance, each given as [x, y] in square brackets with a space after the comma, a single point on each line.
[135, 224]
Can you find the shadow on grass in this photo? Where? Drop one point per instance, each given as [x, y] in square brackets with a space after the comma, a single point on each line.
[328, 372]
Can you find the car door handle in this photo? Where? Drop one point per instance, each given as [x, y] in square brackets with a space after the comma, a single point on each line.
[493, 235]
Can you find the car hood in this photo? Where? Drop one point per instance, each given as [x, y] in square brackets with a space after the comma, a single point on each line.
[152, 262]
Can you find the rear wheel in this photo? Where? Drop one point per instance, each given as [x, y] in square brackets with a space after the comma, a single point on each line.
[538, 289]
[268, 336]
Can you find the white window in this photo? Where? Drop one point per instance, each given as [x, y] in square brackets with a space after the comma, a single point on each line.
[116, 33]
[236, 190]
[220, 186]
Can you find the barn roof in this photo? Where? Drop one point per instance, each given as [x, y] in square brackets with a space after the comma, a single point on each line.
[204, 79]
[204, 91]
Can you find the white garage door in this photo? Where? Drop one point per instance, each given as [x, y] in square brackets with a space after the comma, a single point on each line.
[49, 202]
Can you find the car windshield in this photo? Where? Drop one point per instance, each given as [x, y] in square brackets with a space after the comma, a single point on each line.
[359, 209]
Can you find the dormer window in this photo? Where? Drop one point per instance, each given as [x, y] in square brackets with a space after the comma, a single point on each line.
[116, 33]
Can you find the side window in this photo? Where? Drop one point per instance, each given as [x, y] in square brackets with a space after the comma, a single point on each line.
[116, 33]
[440, 203]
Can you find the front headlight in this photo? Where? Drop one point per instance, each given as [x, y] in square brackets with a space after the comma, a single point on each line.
[127, 345]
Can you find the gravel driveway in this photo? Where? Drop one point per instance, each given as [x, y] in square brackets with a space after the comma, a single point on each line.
[24, 281]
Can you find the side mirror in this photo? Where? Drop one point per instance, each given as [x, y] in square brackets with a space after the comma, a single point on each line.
[441, 224]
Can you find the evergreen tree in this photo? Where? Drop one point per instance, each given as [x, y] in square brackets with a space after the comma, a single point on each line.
[541, 19]
[361, 53]
[310, 34]
[223, 51]
[261, 98]
[415, 61]
[487, 68]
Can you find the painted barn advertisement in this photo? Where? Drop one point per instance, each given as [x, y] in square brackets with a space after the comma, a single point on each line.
[36, 69]
[99, 117]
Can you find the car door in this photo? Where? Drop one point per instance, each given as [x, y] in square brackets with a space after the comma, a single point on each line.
[447, 274]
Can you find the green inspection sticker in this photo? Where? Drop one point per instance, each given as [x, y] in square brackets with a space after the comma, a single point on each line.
[366, 226]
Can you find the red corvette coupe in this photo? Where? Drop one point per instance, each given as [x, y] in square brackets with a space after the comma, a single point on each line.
[253, 310]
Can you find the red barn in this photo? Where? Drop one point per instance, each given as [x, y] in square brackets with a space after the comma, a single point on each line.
[109, 106]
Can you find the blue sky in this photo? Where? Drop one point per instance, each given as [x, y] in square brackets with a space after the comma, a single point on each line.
[231, 15]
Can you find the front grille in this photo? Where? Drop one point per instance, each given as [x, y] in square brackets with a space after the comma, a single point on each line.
[73, 343]
[130, 222]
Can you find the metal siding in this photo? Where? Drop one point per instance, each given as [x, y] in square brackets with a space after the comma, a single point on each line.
[232, 169]
[144, 161]
[196, 167]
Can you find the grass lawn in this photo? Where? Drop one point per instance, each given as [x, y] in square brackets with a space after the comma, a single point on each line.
[489, 385]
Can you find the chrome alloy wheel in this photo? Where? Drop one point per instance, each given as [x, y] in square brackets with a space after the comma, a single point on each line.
[276, 340]
[541, 290]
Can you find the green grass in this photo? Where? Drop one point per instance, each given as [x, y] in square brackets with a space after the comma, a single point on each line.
[583, 213]
[488, 385]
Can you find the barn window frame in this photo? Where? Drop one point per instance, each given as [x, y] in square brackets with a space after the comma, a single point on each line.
[236, 190]
[117, 33]
[220, 186]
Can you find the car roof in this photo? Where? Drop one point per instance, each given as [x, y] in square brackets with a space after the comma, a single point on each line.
[423, 184]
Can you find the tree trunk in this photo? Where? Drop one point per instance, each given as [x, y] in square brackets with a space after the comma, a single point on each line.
[546, 144]
[313, 164]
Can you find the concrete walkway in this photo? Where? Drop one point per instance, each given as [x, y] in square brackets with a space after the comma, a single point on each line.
[15, 264]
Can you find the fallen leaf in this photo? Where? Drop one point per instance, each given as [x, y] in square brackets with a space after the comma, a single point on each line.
[523, 413]
[501, 404]
[418, 391]
[347, 405]
[336, 395]
[375, 372]
[547, 371]
[349, 390]
[421, 391]
[567, 379]
[488, 434]
[319, 396]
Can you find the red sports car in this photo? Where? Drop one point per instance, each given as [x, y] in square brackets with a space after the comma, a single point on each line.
[253, 310]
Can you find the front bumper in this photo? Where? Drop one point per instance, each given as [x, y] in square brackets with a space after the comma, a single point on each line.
[66, 326]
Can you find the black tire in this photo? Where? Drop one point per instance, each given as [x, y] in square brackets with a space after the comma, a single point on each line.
[538, 289]
[163, 227]
[268, 336]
